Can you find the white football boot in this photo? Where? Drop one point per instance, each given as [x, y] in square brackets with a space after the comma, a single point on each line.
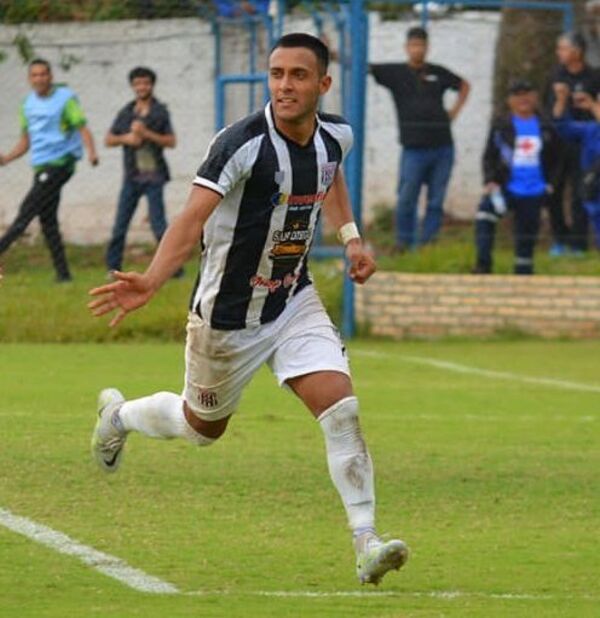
[374, 557]
[108, 439]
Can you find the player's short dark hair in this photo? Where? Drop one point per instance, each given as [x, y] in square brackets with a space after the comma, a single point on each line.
[142, 72]
[576, 39]
[417, 33]
[41, 62]
[301, 39]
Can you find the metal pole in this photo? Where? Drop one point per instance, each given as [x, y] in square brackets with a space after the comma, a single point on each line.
[219, 90]
[359, 39]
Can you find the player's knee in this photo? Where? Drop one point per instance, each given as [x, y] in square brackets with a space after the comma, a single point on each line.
[341, 419]
[203, 432]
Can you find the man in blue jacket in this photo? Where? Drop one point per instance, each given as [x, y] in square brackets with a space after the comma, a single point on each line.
[53, 127]
[587, 135]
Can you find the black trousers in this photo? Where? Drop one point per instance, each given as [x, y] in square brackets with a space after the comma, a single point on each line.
[575, 235]
[526, 212]
[42, 201]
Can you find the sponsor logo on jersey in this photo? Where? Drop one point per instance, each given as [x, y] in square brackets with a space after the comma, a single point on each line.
[328, 173]
[289, 199]
[258, 281]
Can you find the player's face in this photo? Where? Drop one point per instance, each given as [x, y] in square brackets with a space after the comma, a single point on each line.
[40, 79]
[142, 86]
[295, 83]
[523, 103]
[416, 50]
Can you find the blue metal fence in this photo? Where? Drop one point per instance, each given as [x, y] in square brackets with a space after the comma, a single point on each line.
[350, 19]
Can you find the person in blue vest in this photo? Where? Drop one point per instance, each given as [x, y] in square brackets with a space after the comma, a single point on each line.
[519, 167]
[54, 129]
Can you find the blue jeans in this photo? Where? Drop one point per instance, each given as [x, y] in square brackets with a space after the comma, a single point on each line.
[422, 166]
[130, 195]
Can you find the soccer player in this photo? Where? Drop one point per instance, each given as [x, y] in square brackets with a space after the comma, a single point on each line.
[143, 128]
[254, 206]
[53, 126]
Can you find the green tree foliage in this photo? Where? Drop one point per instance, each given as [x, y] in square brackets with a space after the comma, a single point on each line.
[20, 11]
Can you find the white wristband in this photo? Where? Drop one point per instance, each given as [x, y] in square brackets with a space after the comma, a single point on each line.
[348, 232]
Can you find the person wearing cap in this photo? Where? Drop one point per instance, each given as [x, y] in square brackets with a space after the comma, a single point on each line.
[418, 88]
[519, 169]
[578, 76]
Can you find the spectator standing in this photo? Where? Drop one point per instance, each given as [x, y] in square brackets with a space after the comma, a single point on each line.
[519, 168]
[587, 134]
[143, 128]
[237, 8]
[53, 127]
[573, 71]
[418, 88]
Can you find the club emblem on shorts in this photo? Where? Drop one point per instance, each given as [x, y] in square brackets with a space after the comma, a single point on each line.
[328, 173]
[207, 398]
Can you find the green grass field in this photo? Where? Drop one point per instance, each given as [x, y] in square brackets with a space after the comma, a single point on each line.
[492, 480]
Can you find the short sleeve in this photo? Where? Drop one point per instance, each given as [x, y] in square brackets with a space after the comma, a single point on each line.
[227, 161]
[23, 124]
[73, 116]
[449, 79]
[383, 74]
[121, 124]
[166, 126]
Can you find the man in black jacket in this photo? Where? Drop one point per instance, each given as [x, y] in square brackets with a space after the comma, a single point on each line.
[143, 128]
[579, 76]
[519, 169]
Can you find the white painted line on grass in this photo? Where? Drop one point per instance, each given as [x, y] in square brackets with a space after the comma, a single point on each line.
[143, 582]
[365, 594]
[104, 563]
[486, 373]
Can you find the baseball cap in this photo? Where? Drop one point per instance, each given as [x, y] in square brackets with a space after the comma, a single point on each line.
[520, 86]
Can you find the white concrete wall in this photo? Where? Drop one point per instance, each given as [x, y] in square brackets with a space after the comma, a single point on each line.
[181, 51]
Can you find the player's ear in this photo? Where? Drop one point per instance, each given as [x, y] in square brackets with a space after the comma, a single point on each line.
[325, 84]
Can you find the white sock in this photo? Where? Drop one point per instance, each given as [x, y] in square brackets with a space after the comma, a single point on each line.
[159, 416]
[350, 464]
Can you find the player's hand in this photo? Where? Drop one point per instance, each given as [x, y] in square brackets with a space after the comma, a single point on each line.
[561, 91]
[490, 187]
[93, 159]
[132, 139]
[3, 159]
[583, 100]
[362, 263]
[138, 128]
[129, 292]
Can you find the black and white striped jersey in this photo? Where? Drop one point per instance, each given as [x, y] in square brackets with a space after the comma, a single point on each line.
[256, 242]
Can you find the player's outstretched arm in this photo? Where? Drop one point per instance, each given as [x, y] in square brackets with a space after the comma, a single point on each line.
[20, 148]
[339, 212]
[132, 290]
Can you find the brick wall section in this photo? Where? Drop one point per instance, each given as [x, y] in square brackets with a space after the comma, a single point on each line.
[428, 306]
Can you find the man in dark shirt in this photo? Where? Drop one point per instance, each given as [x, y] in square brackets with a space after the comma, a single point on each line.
[143, 128]
[579, 77]
[418, 89]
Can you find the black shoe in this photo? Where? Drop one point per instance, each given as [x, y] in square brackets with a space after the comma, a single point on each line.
[63, 279]
[178, 274]
[481, 270]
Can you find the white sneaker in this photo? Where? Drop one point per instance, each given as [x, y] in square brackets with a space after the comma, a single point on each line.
[108, 440]
[374, 558]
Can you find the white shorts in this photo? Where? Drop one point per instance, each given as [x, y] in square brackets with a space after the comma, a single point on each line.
[219, 363]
